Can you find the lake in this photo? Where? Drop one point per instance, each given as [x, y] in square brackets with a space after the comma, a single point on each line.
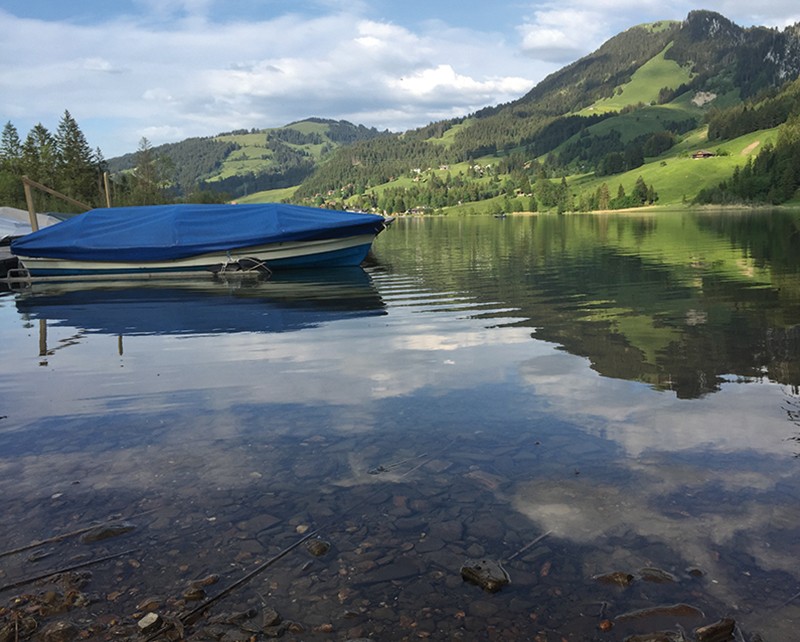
[603, 407]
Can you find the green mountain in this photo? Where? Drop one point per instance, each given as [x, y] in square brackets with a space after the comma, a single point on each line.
[617, 128]
[245, 161]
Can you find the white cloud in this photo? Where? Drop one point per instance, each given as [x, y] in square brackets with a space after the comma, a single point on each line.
[223, 66]
[563, 35]
[443, 80]
[205, 78]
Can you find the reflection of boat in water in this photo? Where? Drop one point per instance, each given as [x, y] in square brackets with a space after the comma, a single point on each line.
[289, 301]
[175, 239]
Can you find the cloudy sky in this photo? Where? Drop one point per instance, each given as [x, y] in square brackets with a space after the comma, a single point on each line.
[170, 69]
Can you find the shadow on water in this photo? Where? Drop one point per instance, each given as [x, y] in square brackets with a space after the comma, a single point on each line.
[289, 301]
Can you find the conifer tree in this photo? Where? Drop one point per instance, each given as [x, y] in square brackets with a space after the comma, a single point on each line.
[11, 192]
[77, 169]
[10, 149]
[40, 156]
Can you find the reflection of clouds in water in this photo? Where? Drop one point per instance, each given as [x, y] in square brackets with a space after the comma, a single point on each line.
[327, 365]
[738, 418]
[684, 455]
[587, 512]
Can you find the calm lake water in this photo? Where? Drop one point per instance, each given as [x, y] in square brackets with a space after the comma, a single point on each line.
[606, 406]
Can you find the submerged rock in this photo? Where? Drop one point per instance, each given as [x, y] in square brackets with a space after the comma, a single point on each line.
[150, 623]
[720, 631]
[671, 610]
[488, 574]
[59, 632]
[106, 532]
[618, 578]
[657, 576]
[318, 547]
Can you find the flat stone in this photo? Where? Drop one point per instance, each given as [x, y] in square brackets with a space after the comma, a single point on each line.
[106, 532]
[671, 610]
[484, 527]
[617, 578]
[396, 570]
[429, 545]
[720, 631]
[450, 530]
[149, 623]
[60, 632]
[657, 576]
[482, 609]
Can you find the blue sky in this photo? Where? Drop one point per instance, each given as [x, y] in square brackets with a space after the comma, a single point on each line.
[170, 69]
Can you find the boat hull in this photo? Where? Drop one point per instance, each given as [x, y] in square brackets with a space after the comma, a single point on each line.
[334, 252]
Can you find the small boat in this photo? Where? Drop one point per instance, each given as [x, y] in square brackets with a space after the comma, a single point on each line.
[172, 240]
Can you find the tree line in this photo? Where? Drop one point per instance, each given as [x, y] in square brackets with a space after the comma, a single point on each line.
[63, 161]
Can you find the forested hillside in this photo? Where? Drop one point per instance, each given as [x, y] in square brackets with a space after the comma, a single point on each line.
[240, 162]
[616, 128]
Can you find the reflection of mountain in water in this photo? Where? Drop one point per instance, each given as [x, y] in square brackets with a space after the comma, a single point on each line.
[289, 301]
[677, 300]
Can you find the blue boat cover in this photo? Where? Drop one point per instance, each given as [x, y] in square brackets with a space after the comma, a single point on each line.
[167, 232]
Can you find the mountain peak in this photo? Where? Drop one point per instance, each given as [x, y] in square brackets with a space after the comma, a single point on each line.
[702, 24]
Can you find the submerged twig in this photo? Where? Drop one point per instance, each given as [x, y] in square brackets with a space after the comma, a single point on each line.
[528, 546]
[791, 599]
[188, 618]
[63, 536]
[50, 540]
[246, 578]
[384, 469]
[66, 569]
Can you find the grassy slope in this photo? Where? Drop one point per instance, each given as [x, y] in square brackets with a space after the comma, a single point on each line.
[269, 196]
[254, 155]
[676, 174]
[644, 85]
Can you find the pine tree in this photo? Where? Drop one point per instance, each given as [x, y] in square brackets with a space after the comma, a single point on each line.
[39, 155]
[77, 170]
[11, 192]
[640, 191]
[148, 187]
[603, 197]
[10, 149]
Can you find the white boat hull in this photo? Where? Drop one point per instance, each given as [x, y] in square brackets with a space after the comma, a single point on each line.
[334, 252]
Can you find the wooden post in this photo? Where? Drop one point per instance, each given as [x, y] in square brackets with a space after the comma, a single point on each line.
[108, 191]
[29, 201]
[42, 337]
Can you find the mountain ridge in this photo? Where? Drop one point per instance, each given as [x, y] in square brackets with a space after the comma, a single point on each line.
[706, 64]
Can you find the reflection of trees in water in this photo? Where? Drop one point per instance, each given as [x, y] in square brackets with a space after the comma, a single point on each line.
[680, 301]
